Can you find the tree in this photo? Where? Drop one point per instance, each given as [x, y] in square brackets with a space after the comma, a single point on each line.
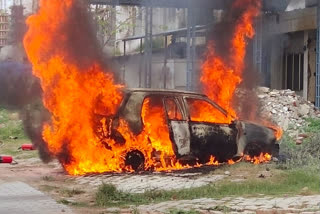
[109, 25]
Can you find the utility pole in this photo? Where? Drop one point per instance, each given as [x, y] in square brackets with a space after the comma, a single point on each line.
[318, 58]
[148, 44]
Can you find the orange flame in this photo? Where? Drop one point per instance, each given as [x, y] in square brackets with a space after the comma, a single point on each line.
[278, 132]
[74, 94]
[71, 93]
[262, 158]
[220, 78]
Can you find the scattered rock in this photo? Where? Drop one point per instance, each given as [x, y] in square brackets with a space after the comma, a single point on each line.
[303, 135]
[264, 174]
[287, 109]
[227, 173]
[13, 137]
[264, 89]
[14, 116]
[298, 142]
[274, 93]
[300, 138]
[304, 110]
[113, 210]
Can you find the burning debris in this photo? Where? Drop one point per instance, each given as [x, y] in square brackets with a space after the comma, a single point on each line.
[96, 126]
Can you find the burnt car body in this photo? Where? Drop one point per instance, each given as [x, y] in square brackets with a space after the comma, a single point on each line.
[193, 139]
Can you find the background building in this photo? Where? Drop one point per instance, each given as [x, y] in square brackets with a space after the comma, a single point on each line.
[4, 28]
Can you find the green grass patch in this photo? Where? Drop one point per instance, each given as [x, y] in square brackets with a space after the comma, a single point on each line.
[12, 136]
[11, 147]
[10, 125]
[290, 182]
[313, 125]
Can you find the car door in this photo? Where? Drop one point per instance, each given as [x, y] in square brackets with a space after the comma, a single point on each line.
[178, 126]
[209, 137]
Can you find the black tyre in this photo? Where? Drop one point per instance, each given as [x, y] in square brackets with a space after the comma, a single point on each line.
[135, 159]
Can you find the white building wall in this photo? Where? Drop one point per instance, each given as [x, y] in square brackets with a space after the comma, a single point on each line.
[164, 19]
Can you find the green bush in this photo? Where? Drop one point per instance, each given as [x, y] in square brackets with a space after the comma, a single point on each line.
[306, 155]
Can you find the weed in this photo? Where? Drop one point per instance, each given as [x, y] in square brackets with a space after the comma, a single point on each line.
[108, 194]
[64, 201]
[177, 211]
[297, 156]
[71, 192]
[48, 188]
[135, 210]
[223, 209]
[67, 202]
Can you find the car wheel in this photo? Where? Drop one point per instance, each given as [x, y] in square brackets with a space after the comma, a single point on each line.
[253, 149]
[135, 159]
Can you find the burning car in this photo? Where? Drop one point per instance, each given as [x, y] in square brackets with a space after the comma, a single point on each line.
[197, 127]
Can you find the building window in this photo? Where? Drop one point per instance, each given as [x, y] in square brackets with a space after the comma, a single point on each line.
[293, 71]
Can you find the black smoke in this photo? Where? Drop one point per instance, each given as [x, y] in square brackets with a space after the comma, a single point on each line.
[77, 39]
[21, 91]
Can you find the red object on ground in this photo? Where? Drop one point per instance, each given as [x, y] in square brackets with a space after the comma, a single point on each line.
[27, 147]
[5, 159]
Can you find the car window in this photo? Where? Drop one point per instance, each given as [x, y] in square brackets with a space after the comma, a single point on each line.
[152, 108]
[155, 124]
[203, 111]
[173, 110]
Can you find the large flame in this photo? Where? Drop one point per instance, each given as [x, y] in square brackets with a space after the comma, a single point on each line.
[220, 76]
[72, 93]
[75, 92]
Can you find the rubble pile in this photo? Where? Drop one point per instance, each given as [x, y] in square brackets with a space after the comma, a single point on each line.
[286, 108]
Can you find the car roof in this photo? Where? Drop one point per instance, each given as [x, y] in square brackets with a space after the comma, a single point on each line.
[162, 91]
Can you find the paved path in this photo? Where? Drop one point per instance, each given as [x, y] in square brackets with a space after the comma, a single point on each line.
[140, 183]
[266, 205]
[20, 198]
